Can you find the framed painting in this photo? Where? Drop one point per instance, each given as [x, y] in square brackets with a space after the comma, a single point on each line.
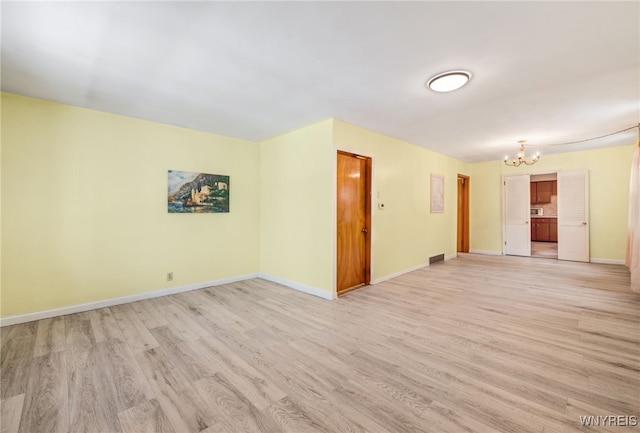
[437, 193]
[190, 192]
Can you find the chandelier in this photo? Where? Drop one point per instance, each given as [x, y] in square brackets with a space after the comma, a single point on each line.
[521, 159]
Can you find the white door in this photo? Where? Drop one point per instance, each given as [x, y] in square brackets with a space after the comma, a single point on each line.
[517, 216]
[573, 215]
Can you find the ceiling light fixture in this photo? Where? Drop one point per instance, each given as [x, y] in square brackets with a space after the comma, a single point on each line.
[449, 81]
[521, 159]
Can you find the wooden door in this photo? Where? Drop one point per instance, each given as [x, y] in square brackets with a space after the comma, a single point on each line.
[354, 221]
[517, 215]
[463, 213]
[573, 215]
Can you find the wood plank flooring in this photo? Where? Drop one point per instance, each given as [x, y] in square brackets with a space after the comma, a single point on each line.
[474, 344]
[548, 250]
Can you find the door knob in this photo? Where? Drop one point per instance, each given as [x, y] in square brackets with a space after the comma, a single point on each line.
[584, 223]
[364, 230]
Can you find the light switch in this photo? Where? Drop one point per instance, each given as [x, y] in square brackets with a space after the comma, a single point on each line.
[380, 204]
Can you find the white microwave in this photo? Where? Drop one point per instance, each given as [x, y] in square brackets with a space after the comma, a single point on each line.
[536, 211]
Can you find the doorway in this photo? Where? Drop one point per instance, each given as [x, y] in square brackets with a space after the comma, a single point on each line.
[463, 213]
[544, 215]
[353, 221]
[568, 231]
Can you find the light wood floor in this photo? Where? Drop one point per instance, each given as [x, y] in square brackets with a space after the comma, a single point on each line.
[548, 250]
[474, 344]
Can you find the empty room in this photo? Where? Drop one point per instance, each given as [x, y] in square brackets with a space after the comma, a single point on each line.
[315, 216]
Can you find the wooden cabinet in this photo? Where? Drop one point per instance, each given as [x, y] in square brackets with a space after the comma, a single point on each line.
[542, 191]
[553, 229]
[533, 186]
[544, 229]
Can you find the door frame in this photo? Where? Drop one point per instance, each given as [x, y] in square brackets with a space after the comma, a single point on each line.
[466, 180]
[538, 173]
[369, 214]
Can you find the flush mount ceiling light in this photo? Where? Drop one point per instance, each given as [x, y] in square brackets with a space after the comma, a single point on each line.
[449, 81]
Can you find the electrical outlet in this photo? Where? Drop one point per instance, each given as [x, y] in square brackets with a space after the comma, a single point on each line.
[169, 276]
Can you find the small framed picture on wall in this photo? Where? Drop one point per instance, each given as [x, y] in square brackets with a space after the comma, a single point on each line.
[437, 193]
[191, 192]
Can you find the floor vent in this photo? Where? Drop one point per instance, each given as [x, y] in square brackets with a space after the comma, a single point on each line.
[434, 259]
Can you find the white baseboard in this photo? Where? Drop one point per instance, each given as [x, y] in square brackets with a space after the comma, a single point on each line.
[397, 274]
[298, 286]
[406, 271]
[607, 261]
[46, 314]
[486, 252]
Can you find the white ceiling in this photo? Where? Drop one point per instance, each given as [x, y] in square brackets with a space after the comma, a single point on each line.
[547, 72]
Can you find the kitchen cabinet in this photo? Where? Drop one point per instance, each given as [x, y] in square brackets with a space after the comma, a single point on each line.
[542, 191]
[544, 229]
[553, 229]
[533, 186]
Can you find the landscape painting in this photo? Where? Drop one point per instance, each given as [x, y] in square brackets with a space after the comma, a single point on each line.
[197, 192]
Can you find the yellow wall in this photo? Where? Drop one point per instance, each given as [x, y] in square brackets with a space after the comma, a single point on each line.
[84, 206]
[405, 234]
[609, 171]
[296, 202]
[84, 214]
